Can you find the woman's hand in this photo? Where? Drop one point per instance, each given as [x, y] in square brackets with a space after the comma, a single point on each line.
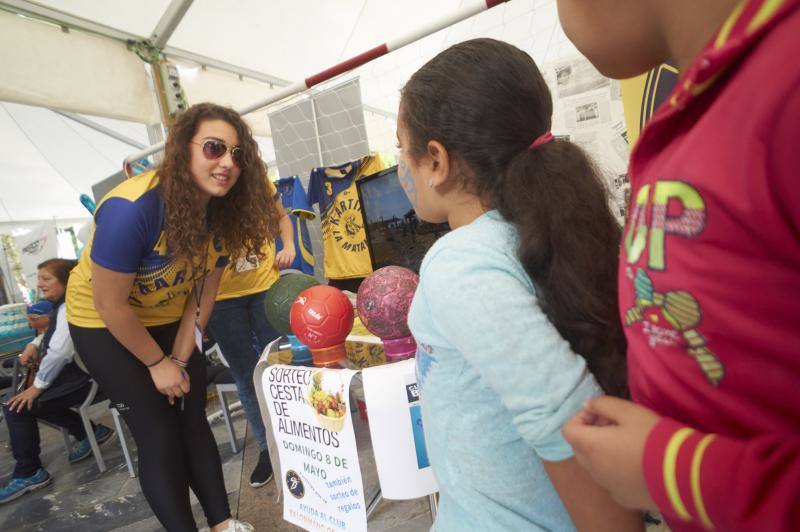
[29, 355]
[170, 379]
[24, 399]
[285, 257]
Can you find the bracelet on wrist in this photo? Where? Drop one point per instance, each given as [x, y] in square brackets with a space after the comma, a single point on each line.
[178, 361]
[157, 362]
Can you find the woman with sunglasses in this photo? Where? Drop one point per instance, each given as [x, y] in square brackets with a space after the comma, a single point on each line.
[144, 289]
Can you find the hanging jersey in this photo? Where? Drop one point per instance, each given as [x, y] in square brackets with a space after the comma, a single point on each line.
[344, 240]
[129, 238]
[250, 275]
[295, 202]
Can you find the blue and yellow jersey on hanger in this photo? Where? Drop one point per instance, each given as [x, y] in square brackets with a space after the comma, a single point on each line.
[344, 240]
[128, 237]
[295, 203]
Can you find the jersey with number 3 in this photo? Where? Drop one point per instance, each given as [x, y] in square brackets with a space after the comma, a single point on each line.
[344, 239]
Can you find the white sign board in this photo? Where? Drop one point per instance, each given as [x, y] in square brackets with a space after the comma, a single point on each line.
[313, 427]
[35, 247]
[395, 424]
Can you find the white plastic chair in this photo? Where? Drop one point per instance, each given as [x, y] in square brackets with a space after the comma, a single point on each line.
[225, 408]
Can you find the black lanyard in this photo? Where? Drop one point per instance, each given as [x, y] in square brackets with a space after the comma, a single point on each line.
[198, 296]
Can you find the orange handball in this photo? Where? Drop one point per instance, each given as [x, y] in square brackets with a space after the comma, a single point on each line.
[321, 317]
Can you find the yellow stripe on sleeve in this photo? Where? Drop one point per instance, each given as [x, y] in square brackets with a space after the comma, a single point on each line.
[697, 496]
[725, 31]
[764, 13]
[670, 473]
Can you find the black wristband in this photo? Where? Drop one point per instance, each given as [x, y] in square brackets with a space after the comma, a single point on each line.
[157, 362]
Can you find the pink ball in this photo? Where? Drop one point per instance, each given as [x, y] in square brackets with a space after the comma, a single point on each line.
[384, 299]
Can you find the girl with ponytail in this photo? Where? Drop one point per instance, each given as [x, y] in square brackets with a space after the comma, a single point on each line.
[515, 315]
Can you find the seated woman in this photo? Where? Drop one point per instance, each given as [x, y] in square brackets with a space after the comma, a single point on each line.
[59, 384]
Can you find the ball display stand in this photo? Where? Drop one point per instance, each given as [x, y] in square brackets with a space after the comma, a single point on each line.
[279, 352]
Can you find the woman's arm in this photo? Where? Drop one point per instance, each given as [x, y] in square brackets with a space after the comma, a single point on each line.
[285, 257]
[110, 293]
[590, 506]
[185, 340]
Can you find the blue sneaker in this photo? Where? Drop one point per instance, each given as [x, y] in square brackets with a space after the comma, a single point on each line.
[20, 486]
[83, 448]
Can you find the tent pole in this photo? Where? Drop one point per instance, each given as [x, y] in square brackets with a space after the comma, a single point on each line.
[475, 7]
[169, 21]
[101, 128]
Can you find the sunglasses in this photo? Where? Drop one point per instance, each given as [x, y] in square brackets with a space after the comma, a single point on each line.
[214, 149]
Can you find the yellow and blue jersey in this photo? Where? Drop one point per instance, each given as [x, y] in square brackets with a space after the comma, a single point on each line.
[250, 275]
[295, 202]
[128, 237]
[344, 240]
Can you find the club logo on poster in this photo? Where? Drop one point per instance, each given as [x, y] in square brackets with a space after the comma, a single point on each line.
[313, 428]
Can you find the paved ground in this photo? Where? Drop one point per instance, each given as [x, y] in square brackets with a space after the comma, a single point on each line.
[81, 498]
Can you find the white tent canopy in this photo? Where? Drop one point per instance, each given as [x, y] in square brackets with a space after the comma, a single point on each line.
[47, 160]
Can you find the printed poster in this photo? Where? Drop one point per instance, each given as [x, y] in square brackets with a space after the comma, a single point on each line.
[35, 247]
[395, 425]
[310, 414]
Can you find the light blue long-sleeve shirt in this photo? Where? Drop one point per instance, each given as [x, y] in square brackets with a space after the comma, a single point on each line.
[497, 383]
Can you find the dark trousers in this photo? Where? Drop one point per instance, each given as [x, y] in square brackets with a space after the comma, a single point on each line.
[177, 450]
[242, 330]
[23, 428]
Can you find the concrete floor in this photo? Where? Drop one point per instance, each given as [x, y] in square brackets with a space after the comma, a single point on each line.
[83, 499]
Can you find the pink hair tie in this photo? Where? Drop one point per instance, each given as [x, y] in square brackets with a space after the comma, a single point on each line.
[540, 140]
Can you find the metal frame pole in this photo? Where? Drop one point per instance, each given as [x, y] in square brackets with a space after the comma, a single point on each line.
[169, 22]
[477, 6]
[101, 128]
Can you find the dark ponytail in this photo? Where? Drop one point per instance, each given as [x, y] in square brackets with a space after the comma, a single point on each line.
[569, 245]
[486, 101]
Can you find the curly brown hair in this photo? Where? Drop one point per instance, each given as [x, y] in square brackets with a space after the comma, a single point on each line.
[244, 219]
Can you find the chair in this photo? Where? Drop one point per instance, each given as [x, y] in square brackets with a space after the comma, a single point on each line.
[223, 381]
[95, 396]
[92, 398]
[122, 441]
[83, 410]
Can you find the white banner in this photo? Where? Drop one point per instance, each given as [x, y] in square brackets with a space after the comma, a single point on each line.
[35, 247]
[313, 427]
[72, 71]
[395, 424]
